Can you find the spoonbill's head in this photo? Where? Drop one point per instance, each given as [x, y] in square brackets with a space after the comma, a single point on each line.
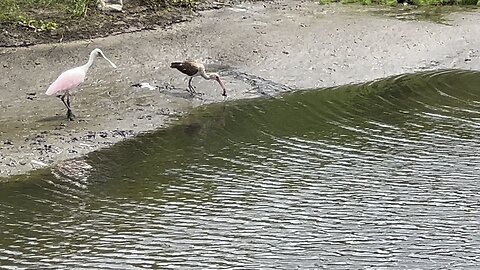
[97, 52]
[215, 76]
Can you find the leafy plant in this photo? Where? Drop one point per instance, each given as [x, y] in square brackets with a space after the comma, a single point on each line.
[37, 26]
[48, 26]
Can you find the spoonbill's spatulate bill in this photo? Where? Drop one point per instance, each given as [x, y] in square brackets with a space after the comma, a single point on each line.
[193, 69]
[70, 79]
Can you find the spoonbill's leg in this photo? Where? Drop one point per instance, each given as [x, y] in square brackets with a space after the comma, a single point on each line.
[67, 105]
[70, 114]
[62, 98]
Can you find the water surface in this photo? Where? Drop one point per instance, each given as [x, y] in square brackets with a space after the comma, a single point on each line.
[436, 14]
[383, 174]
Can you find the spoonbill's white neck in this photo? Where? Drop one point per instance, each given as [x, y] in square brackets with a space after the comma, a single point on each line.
[93, 56]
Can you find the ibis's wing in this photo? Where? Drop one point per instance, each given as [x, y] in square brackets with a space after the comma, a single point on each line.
[189, 68]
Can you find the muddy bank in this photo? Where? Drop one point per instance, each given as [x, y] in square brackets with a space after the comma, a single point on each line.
[135, 15]
[260, 49]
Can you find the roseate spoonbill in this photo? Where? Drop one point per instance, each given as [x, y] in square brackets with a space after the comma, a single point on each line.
[193, 69]
[70, 79]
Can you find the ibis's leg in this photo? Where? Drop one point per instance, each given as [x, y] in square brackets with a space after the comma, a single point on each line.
[191, 87]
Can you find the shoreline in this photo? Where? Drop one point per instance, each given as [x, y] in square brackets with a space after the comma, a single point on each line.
[282, 45]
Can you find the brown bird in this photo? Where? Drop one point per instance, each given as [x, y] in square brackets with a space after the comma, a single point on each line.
[194, 69]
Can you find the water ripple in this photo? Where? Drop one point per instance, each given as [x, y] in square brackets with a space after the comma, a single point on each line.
[381, 175]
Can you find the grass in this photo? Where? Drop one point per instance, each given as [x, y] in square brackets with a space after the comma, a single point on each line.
[23, 11]
[11, 9]
[32, 14]
[445, 2]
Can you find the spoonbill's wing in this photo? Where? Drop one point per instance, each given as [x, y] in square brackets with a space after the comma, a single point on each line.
[66, 81]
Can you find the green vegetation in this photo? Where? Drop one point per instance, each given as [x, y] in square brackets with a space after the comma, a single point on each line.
[446, 2]
[37, 26]
[10, 10]
[32, 13]
[414, 2]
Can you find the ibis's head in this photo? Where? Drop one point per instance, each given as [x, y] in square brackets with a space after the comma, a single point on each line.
[216, 77]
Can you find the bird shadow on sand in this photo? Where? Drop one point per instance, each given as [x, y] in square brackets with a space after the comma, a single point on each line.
[181, 93]
[54, 118]
[62, 119]
[170, 90]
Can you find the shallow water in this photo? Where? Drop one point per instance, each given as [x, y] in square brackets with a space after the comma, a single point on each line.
[383, 174]
[436, 14]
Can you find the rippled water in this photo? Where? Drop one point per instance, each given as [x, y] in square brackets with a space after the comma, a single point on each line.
[383, 175]
[437, 14]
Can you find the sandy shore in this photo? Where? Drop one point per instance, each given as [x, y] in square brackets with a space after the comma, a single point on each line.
[260, 49]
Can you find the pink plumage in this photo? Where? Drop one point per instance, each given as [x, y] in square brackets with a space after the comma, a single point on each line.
[72, 78]
[66, 81]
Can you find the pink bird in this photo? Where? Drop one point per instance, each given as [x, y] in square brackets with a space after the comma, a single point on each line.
[193, 69]
[70, 79]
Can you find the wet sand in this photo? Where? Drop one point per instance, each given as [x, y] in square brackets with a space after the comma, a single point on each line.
[260, 49]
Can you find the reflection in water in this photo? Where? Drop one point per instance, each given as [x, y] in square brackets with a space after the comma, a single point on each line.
[381, 174]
